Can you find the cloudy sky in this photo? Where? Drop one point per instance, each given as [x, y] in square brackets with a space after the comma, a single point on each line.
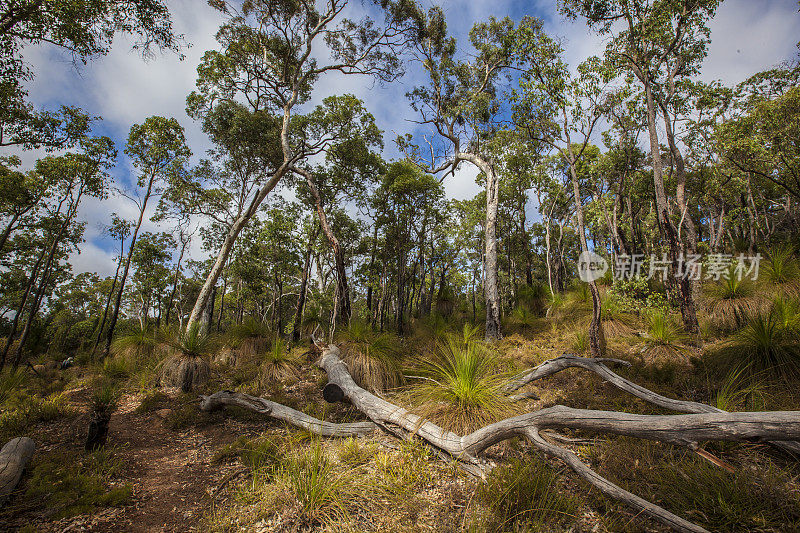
[747, 36]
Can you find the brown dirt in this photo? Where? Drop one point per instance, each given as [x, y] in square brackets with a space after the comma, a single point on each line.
[171, 472]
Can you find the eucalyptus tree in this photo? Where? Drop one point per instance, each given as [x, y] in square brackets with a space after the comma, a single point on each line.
[70, 177]
[660, 42]
[342, 130]
[150, 259]
[459, 103]
[119, 230]
[406, 203]
[555, 109]
[158, 152]
[272, 54]
[83, 30]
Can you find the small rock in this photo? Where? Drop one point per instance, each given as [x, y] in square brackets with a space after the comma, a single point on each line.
[163, 413]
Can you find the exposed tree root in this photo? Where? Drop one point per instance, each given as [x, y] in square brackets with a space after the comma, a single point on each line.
[703, 423]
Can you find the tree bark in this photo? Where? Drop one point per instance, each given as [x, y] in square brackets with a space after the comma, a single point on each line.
[14, 457]
[490, 285]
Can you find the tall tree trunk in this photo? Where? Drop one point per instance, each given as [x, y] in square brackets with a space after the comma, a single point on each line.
[597, 341]
[175, 278]
[108, 301]
[342, 289]
[118, 303]
[301, 297]
[688, 311]
[491, 290]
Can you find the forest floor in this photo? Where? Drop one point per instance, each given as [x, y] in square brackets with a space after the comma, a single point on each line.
[170, 472]
[170, 467]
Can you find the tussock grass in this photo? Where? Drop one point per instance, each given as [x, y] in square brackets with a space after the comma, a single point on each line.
[462, 387]
[664, 339]
[764, 344]
[373, 358]
[745, 500]
[526, 495]
[139, 344]
[280, 363]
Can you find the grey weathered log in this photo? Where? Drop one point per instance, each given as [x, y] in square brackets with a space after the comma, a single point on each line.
[14, 458]
[553, 366]
[610, 489]
[287, 414]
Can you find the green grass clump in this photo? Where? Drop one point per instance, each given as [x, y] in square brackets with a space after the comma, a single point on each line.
[764, 344]
[730, 300]
[17, 420]
[353, 453]
[320, 492]
[138, 344]
[737, 391]
[280, 363]
[462, 386]
[373, 358]
[71, 484]
[526, 496]
[693, 488]
[664, 339]
[781, 266]
[153, 401]
[260, 453]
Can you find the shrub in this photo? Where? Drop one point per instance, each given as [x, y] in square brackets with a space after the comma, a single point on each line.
[781, 266]
[729, 301]
[279, 363]
[316, 486]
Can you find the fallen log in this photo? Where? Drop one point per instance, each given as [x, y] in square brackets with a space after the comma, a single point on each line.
[553, 366]
[685, 429]
[287, 414]
[14, 458]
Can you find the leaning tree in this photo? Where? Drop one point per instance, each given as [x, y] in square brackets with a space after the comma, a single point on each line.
[272, 55]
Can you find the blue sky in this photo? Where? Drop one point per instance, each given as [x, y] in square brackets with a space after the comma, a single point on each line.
[747, 36]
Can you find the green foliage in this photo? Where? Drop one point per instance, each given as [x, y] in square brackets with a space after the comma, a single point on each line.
[321, 492]
[739, 390]
[781, 266]
[526, 496]
[730, 300]
[194, 342]
[373, 358]
[580, 342]
[663, 338]
[18, 419]
[462, 389]
[280, 362]
[105, 399]
[258, 454]
[764, 345]
[138, 344]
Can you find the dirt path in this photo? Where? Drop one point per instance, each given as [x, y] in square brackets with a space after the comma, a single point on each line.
[171, 472]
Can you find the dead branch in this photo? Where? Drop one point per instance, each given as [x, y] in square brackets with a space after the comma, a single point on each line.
[287, 414]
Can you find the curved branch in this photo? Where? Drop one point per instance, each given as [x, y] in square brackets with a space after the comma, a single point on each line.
[287, 414]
